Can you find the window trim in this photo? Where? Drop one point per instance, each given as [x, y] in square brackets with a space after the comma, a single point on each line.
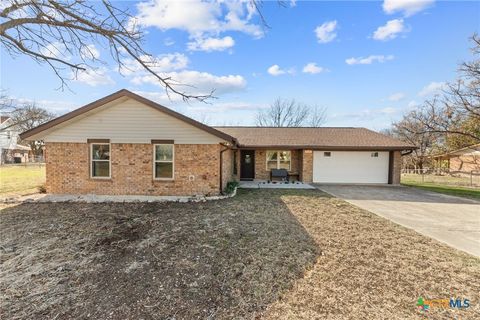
[278, 159]
[163, 161]
[109, 160]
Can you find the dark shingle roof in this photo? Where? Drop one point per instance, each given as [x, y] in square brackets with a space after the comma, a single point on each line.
[324, 137]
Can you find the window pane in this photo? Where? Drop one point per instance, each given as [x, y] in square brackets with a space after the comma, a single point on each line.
[271, 155]
[164, 170]
[272, 164]
[100, 169]
[164, 152]
[284, 155]
[284, 165]
[101, 152]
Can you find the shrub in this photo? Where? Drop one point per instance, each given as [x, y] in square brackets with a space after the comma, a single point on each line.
[231, 185]
[42, 189]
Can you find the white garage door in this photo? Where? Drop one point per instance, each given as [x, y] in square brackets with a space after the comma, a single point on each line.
[350, 167]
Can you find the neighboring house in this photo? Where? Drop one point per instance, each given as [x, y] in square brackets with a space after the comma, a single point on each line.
[466, 159]
[126, 144]
[10, 151]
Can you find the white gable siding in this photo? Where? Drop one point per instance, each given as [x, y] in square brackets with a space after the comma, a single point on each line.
[130, 122]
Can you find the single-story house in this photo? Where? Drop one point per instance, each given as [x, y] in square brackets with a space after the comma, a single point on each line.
[465, 159]
[10, 150]
[125, 144]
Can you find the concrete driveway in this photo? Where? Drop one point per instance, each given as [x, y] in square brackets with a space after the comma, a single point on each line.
[452, 220]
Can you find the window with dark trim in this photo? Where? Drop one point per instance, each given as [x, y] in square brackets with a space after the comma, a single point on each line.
[100, 160]
[374, 155]
[327, 154]
[163, 158]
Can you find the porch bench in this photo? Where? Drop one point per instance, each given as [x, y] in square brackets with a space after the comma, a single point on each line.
[279, 173]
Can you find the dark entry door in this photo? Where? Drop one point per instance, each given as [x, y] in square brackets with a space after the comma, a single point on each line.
[247, 164]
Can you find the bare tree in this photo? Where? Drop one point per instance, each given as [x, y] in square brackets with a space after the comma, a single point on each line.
[456, 112]
[61, 33]
[28, 117]
[413, 132]
[318, 116]
[290, 113]
[6, 103]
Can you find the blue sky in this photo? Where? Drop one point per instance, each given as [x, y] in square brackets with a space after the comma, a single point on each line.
[367, 62]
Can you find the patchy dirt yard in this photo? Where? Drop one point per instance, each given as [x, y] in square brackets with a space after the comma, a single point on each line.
[266, 253]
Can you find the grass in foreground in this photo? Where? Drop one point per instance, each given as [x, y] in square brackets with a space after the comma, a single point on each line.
[276, 254]
[21, 179]
[464, 192]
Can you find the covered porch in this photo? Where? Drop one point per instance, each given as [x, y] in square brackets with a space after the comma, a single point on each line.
[257, 165]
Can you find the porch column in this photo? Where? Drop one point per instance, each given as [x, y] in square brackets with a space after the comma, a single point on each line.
[307, 166]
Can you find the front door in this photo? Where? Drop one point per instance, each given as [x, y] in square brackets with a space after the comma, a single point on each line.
[247, 164]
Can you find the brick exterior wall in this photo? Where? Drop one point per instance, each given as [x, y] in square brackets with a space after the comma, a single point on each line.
[307, 166]
[261, 171]
[196, 170]
[227, 167]
[397, 167]
[236, 176]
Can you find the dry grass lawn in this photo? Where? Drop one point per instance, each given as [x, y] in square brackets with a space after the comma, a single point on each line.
[21, 179]
[275, 254]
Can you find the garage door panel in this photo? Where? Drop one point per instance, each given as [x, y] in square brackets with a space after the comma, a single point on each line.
[350, 167]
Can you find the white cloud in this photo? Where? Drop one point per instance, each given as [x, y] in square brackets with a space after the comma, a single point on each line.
[326, 32]
[56, 50]
[169, 42]
[366, 113]
[89, 52]
[396, 96]
[408, 7]
[369, 59]
[390, 30]
[162, 63]
[55, 106]
[412, 104]
[199, 17]
[195, 82]
[174, 66]
[94, 78]
[226, 106]
[211, 44]
[431, 88]
[312, 68]
[275, 70]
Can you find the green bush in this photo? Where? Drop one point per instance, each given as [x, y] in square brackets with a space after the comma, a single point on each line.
[231, 185]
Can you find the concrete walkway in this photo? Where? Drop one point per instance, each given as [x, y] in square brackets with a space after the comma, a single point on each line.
[452, 220]
[263, 184]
